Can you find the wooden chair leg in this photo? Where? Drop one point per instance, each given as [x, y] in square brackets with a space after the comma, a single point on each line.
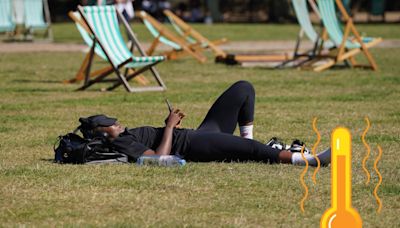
[353, 61]
[153, 46]
[364, 48]
[141, 79]
[325, 66]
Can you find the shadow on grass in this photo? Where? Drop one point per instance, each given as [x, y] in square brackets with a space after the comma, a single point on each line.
[50, 160]
[33, 90]
[37, 81]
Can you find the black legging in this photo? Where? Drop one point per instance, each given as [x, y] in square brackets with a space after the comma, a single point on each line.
[214, 139]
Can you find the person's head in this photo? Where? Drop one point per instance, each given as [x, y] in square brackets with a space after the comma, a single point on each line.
[100, 126]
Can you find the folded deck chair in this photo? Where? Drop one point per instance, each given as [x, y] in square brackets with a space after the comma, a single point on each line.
[347, 48]
[180, 47]
[100, 29]
[6, 19]
[192, 36]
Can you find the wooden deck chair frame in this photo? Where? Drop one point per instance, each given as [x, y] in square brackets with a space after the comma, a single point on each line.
[48, 35]
[193, 36]
[164, 32]
[344, 52]
[225, 58]
[122, 79]
[189, 32]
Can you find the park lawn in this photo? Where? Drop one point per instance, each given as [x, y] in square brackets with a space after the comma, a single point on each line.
[35, 108]
[67, 32]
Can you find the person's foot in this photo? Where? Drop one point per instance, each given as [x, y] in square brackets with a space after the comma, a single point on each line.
[296, 146]
[276, 143]
[324, 158]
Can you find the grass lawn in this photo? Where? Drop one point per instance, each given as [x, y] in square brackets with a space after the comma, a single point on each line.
[35, 108]
[67, 32]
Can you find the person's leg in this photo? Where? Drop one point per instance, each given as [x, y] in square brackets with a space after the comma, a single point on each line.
[235, 105]
[211, 146]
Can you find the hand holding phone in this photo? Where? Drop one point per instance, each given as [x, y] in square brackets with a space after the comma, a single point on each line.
[169, 105]
[174, 115]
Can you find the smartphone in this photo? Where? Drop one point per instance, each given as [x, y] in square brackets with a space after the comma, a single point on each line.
[169, 105]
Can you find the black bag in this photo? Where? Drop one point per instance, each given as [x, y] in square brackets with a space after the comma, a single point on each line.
[74, 149]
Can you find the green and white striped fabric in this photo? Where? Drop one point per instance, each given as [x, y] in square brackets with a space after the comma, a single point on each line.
[163, 39]
[104, 22]
[303, 17]
[6, 21]
[34, 16]
[178, 29]
[88, 38]
[332, 25]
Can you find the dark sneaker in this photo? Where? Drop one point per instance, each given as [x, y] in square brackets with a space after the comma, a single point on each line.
[276, 143]
[297, 145]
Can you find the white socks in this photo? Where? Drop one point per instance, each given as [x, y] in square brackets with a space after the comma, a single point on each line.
[324, 157]
[246, 131]
[298, 160]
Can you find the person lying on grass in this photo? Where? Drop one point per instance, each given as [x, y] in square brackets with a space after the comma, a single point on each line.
[213, 140]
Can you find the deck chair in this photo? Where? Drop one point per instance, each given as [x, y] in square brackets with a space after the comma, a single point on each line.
[99, 28]
[347, 48]
[162, 34]
[80, 25]
[7, 24]
[306, 28]
[37, 16]
[194, 37]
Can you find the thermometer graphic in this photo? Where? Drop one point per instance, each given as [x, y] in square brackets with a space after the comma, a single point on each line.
[341, 214]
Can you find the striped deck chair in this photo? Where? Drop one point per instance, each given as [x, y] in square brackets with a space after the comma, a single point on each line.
[37, 16]
[100, 29]
[307, 29]
[163, 35]
[84, 31]
[347, 48]
[192, 36]
[6, 19]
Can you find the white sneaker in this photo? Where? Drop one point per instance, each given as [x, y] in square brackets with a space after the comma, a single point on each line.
[276, 143]
[297, 145]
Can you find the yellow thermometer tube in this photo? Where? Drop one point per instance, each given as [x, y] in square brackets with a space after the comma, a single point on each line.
[341, 214]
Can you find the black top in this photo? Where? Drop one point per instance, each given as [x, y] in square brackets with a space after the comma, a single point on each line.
[134, 142]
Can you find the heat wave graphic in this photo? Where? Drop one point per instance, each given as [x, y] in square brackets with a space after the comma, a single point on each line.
[364, 165]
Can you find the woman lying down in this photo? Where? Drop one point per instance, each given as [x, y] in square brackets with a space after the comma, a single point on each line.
[213, 140]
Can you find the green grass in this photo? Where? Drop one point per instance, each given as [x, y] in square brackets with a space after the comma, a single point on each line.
[35, 108]
[67, 32]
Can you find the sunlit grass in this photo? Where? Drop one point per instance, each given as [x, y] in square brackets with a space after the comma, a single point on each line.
[35, 108]
[67, 32]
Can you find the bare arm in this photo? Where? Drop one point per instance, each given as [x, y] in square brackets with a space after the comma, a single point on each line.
[166, 142]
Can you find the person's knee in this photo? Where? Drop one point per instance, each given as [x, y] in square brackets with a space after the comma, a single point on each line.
[245, 86]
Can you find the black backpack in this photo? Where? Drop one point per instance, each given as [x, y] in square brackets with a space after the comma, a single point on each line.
[74, 149]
